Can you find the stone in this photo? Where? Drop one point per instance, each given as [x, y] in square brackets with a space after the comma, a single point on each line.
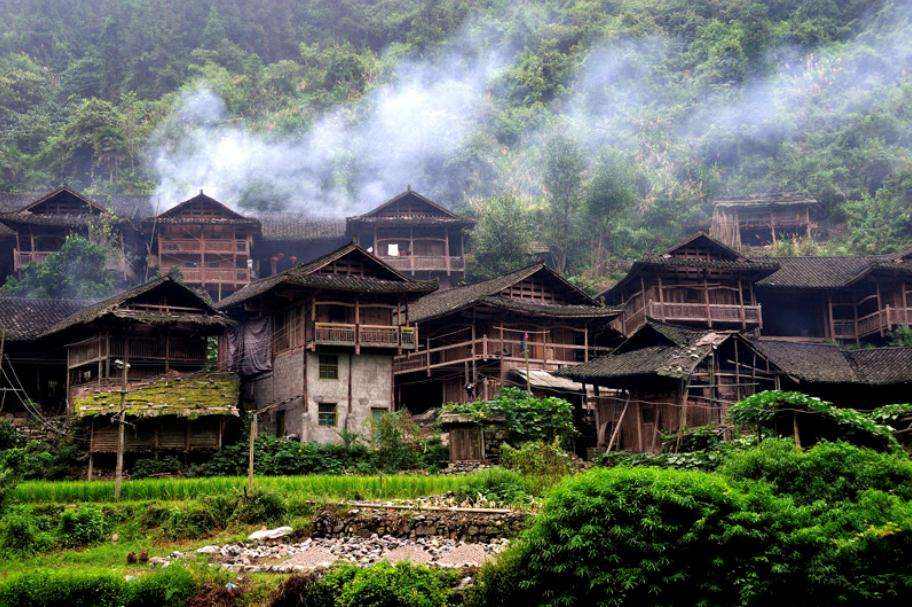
[412, 554]
[310, 559]
[159, 561]
[208, 550]
[465, 555]
[269, 534]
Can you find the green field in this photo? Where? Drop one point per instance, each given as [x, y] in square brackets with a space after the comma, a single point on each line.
[303, 487]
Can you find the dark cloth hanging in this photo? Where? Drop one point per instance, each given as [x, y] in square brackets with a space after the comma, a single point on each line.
[250, 347]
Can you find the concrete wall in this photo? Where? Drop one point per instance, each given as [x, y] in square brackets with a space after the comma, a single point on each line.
[371, 388]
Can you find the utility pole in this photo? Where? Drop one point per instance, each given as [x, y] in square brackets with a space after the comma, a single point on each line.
[525, 347]
[118, 471]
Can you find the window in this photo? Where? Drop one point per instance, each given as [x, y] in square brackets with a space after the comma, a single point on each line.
[329, 366]
[326, 415]
[648, 415]
[392, 249]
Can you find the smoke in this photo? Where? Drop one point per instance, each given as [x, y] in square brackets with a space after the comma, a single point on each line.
[627, 94]
[351, 158]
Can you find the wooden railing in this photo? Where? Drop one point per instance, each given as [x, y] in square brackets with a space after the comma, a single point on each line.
[215, 275]
[24, 258]
[875, 322]
[369, 336]
[550, 355]
[427, 263]
[844, 329]
[199, 246]
[725, 313]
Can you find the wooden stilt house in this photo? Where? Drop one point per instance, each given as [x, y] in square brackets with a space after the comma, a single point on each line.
[40, 228]
[473, 336]
[415, 235]
[209, 243]
[762, 220]
[146, 351]
[699, 282]
[315, 343]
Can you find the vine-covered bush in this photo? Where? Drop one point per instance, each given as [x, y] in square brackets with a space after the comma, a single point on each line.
[82, 526]
[774, 411]
[527, 417]
[827, 471]
[536, 458]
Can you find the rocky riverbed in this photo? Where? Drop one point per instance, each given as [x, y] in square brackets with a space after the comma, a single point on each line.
[319, 553]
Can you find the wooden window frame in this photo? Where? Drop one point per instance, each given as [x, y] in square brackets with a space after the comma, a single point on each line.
[327, 369]
[327, 415]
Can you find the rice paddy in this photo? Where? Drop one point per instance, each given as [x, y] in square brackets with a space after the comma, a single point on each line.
[303, 487]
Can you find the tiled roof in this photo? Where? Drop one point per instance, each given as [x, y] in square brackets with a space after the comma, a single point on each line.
[554, 310]
[296, 226]
[23, 319]
[175, 215]
[766, 200]
[828, 363]
[450, 300]
[304, 275]
[113, 306]
[822, 272]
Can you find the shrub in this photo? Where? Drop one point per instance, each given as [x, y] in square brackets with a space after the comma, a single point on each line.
[20, 534]
[221, 506]
[40, 460]
[60, 588]
[152, 466]
[496, 484]
[82, 526]
[313, 589]
[536, 458]
[648, 536]
[828, 471]
[171, 587]
[191, 522]
[10, 436]
[527, 418]
[401, 585]
[262, 507]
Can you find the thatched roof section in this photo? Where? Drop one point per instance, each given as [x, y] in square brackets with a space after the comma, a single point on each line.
[118, 306]
[182, 395]
[307, 275]
[452, 300]
[23, 319]
[765, 201]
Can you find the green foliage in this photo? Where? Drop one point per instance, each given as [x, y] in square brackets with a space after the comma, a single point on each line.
[190, 522]
[76, 271]
[497, 485]
[897, 416]
[536, 458]
[400, 585]
[774, 410]
[527, 417]
[42, 460]
[82, 526]
[20, 535]
[502, 239]
[828, 471]
[170, 587]
[155, 466]
[262, 507]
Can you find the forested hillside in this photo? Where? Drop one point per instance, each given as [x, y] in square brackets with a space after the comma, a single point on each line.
[599, 128]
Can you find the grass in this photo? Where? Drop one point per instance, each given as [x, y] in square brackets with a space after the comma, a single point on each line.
[304, 487]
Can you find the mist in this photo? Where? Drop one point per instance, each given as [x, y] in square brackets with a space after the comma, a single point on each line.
[416, 126]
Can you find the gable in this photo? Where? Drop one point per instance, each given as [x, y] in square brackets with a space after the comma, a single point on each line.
[410, 205]
[702, 247]
[168, 295]
[545, 286]
[64, 202]
[357, 262]
[201, 207]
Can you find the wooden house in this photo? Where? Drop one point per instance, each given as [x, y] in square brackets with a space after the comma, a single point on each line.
[416, 236]
[667, 378]
[146, 350]
[473, 336]
[34, 231]
[288, 239]
[699, 282]
[762, 221]
[847, 299]
[209, 243]
[32, 373]
[316, 343]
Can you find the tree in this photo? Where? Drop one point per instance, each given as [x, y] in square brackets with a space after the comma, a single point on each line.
[76, 271]
[563, 173]
[502, 238]
[608, 195]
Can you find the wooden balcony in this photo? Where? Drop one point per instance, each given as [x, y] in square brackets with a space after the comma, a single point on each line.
[231, 276]
[698, 312]
[547, 355]
[201, 246]
[880, 321]
[426, 263]
[368, 336]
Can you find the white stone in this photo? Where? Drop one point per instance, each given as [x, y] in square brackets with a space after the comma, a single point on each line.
[269, 534]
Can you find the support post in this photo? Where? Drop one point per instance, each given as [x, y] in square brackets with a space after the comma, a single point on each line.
[118, 470]
[617, 426]
[250, 444]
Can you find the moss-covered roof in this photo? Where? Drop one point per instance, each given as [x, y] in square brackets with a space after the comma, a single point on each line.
[189, 395]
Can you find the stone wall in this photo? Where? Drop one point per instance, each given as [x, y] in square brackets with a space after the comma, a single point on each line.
[466, 525]
[371, 389]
